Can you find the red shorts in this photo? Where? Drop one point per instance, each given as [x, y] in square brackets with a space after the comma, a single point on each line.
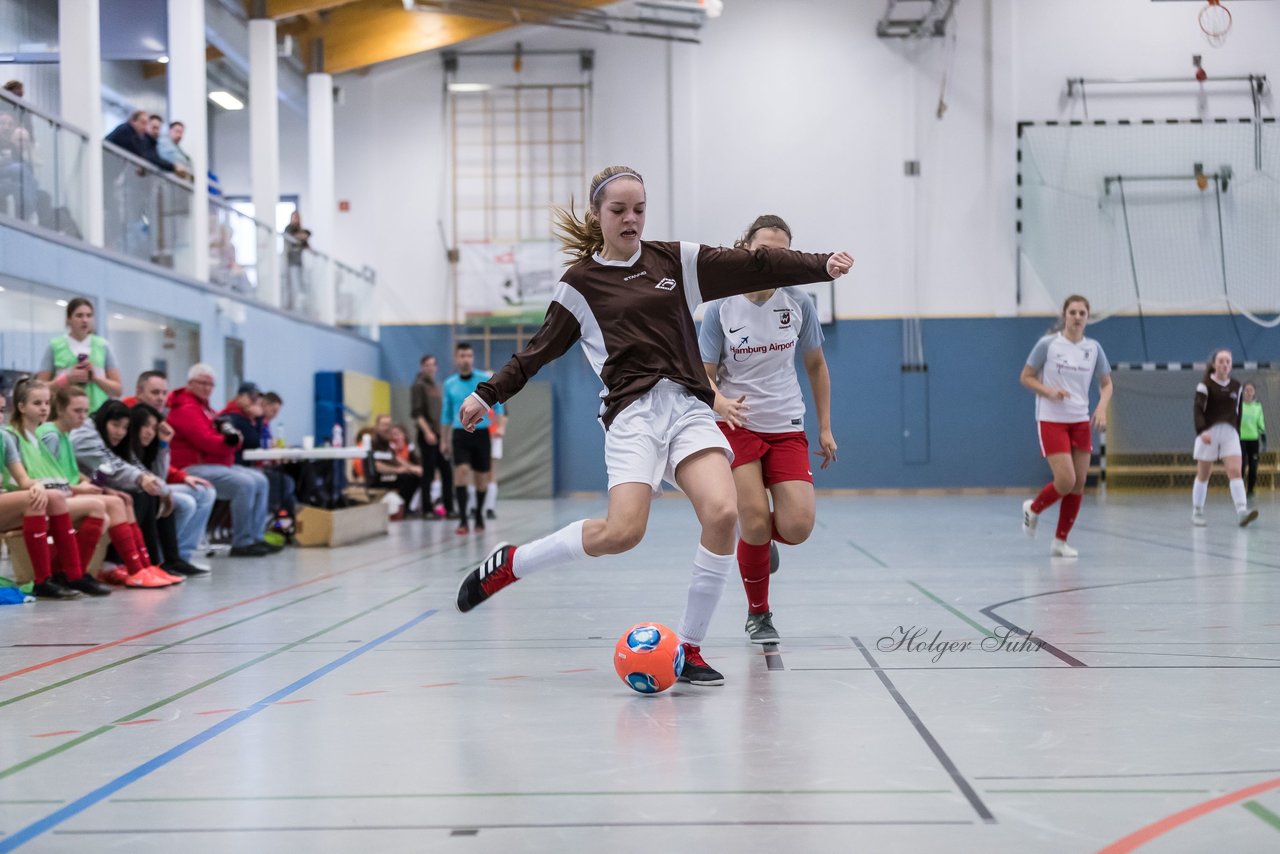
[782, 456]
[1059, 438]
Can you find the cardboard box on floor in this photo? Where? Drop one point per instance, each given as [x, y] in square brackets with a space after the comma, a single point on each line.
[319, 527]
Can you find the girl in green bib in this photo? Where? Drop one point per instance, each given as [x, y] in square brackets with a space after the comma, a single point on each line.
[28, 467]
[1253, 435]
[82, 358]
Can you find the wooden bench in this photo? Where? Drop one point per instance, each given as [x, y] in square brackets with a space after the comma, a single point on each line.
[24, 573]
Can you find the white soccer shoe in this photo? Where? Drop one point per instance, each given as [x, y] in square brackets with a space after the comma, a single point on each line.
[1029, 518]
[1197, 518]
[1061, 549]
[1244, 517]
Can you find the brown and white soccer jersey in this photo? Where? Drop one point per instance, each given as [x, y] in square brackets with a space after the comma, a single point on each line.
[1217, 413]
[634, 318]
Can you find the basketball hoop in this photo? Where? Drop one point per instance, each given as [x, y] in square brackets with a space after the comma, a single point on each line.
[1215, 22]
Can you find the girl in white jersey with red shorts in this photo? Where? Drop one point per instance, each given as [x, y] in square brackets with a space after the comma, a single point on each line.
[630, 304]
[749, 346]
[1060, 370]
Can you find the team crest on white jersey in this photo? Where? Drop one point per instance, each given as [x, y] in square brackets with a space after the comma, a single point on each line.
[666, 285]
[784, 316]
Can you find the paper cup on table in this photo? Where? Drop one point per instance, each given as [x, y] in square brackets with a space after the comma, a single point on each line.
[308, 443]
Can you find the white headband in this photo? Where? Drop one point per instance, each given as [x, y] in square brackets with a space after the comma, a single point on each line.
[611, 177]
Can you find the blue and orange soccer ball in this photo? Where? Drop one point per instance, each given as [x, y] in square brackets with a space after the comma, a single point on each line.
[649, 658]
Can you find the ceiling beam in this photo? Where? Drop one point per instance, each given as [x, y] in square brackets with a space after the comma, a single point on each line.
[278, 9]
[366, 32]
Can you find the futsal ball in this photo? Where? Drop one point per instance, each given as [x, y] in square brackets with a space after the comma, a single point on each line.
[648, 658]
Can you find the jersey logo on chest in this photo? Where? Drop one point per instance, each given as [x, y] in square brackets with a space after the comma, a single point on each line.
[784, 317]
[666, 285]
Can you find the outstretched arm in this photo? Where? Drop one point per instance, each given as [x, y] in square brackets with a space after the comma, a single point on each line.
[815, 365]
[712, 273]
[560, 330]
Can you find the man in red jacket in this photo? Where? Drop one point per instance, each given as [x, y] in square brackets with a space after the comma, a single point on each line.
[206, 448]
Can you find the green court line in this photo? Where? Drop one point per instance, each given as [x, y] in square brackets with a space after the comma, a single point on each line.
[955, 611]
[20, 697]
[94, 733]
[867, 553]
[1098, 791]
[420, 795]
[1263, 813]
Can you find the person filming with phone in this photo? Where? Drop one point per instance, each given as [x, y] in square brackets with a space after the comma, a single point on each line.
[82, 358]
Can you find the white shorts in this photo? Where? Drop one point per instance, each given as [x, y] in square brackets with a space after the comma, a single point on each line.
[1224, 442]
[495, 447]
[658, 431]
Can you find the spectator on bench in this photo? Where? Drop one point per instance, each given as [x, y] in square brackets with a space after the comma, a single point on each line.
[152, 389]
[246, 413]
[192, 507]
[205, 446]
[399, 474]
[101, 449]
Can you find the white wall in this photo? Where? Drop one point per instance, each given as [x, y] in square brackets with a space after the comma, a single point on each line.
[798, 109]
[230, 157]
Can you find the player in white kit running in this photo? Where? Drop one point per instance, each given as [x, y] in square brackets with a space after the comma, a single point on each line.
[1060, 370]
[748, 345]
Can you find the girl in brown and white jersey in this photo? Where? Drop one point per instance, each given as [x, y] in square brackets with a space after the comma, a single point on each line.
[1217, 417]
[630, 303]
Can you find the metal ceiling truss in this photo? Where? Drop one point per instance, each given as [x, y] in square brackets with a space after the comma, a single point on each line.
[915, 19]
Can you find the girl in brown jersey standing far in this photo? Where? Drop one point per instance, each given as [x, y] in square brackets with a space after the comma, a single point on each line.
[630, 304]
[1217, 414]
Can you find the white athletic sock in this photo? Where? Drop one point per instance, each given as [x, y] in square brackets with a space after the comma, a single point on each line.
[564, 546]
[1199, 492]
[705, 589]
[491, 497]
[1238, 495]
[436, 492]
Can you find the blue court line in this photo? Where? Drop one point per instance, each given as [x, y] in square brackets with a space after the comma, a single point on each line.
[78, 806]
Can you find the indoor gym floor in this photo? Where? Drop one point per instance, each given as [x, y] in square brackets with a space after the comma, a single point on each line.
[334, 700]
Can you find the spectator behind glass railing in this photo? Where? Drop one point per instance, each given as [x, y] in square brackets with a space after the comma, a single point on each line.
[294, 245]
[134, 137]
[82, 358]
[191, 507]
[169, 146]
[205, 446]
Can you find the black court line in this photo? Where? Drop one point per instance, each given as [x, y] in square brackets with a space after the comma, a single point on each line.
[471, 830]
[941, 755]
[1130, 776]
[989, 611]
[773, 658]
[1175, 546]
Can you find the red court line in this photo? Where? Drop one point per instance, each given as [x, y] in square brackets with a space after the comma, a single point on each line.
[141, 721]
[501, 678]
[224, 608]
[59, 732]
[291, 702]
[1160, 828]
[365, 693]
[218, 712]
[440, 685]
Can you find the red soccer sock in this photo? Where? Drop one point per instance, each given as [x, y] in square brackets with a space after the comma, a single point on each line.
[64, 540]
[87, 537]
[753, 564]
[1047, 496]
[122, 538]
[1067, 514]
[35, 533]
[140, 543]
[776, 536]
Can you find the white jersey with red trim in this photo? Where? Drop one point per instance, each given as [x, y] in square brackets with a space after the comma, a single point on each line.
[755, 347]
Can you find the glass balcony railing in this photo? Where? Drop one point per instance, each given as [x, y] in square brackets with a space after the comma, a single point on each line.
[146, 211]
[235, 241]
[41, 168]
[356, 307]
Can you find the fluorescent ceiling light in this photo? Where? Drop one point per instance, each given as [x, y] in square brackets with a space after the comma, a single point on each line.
[469, 87]
[60, 302]
[162, 60]
[117, 317]
[226, 100]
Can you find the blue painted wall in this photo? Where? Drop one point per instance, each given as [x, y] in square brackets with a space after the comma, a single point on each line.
[980, 419]
[281, 353]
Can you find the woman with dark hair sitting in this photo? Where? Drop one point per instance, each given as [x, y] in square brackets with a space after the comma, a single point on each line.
[101, 448]
[146, 451]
